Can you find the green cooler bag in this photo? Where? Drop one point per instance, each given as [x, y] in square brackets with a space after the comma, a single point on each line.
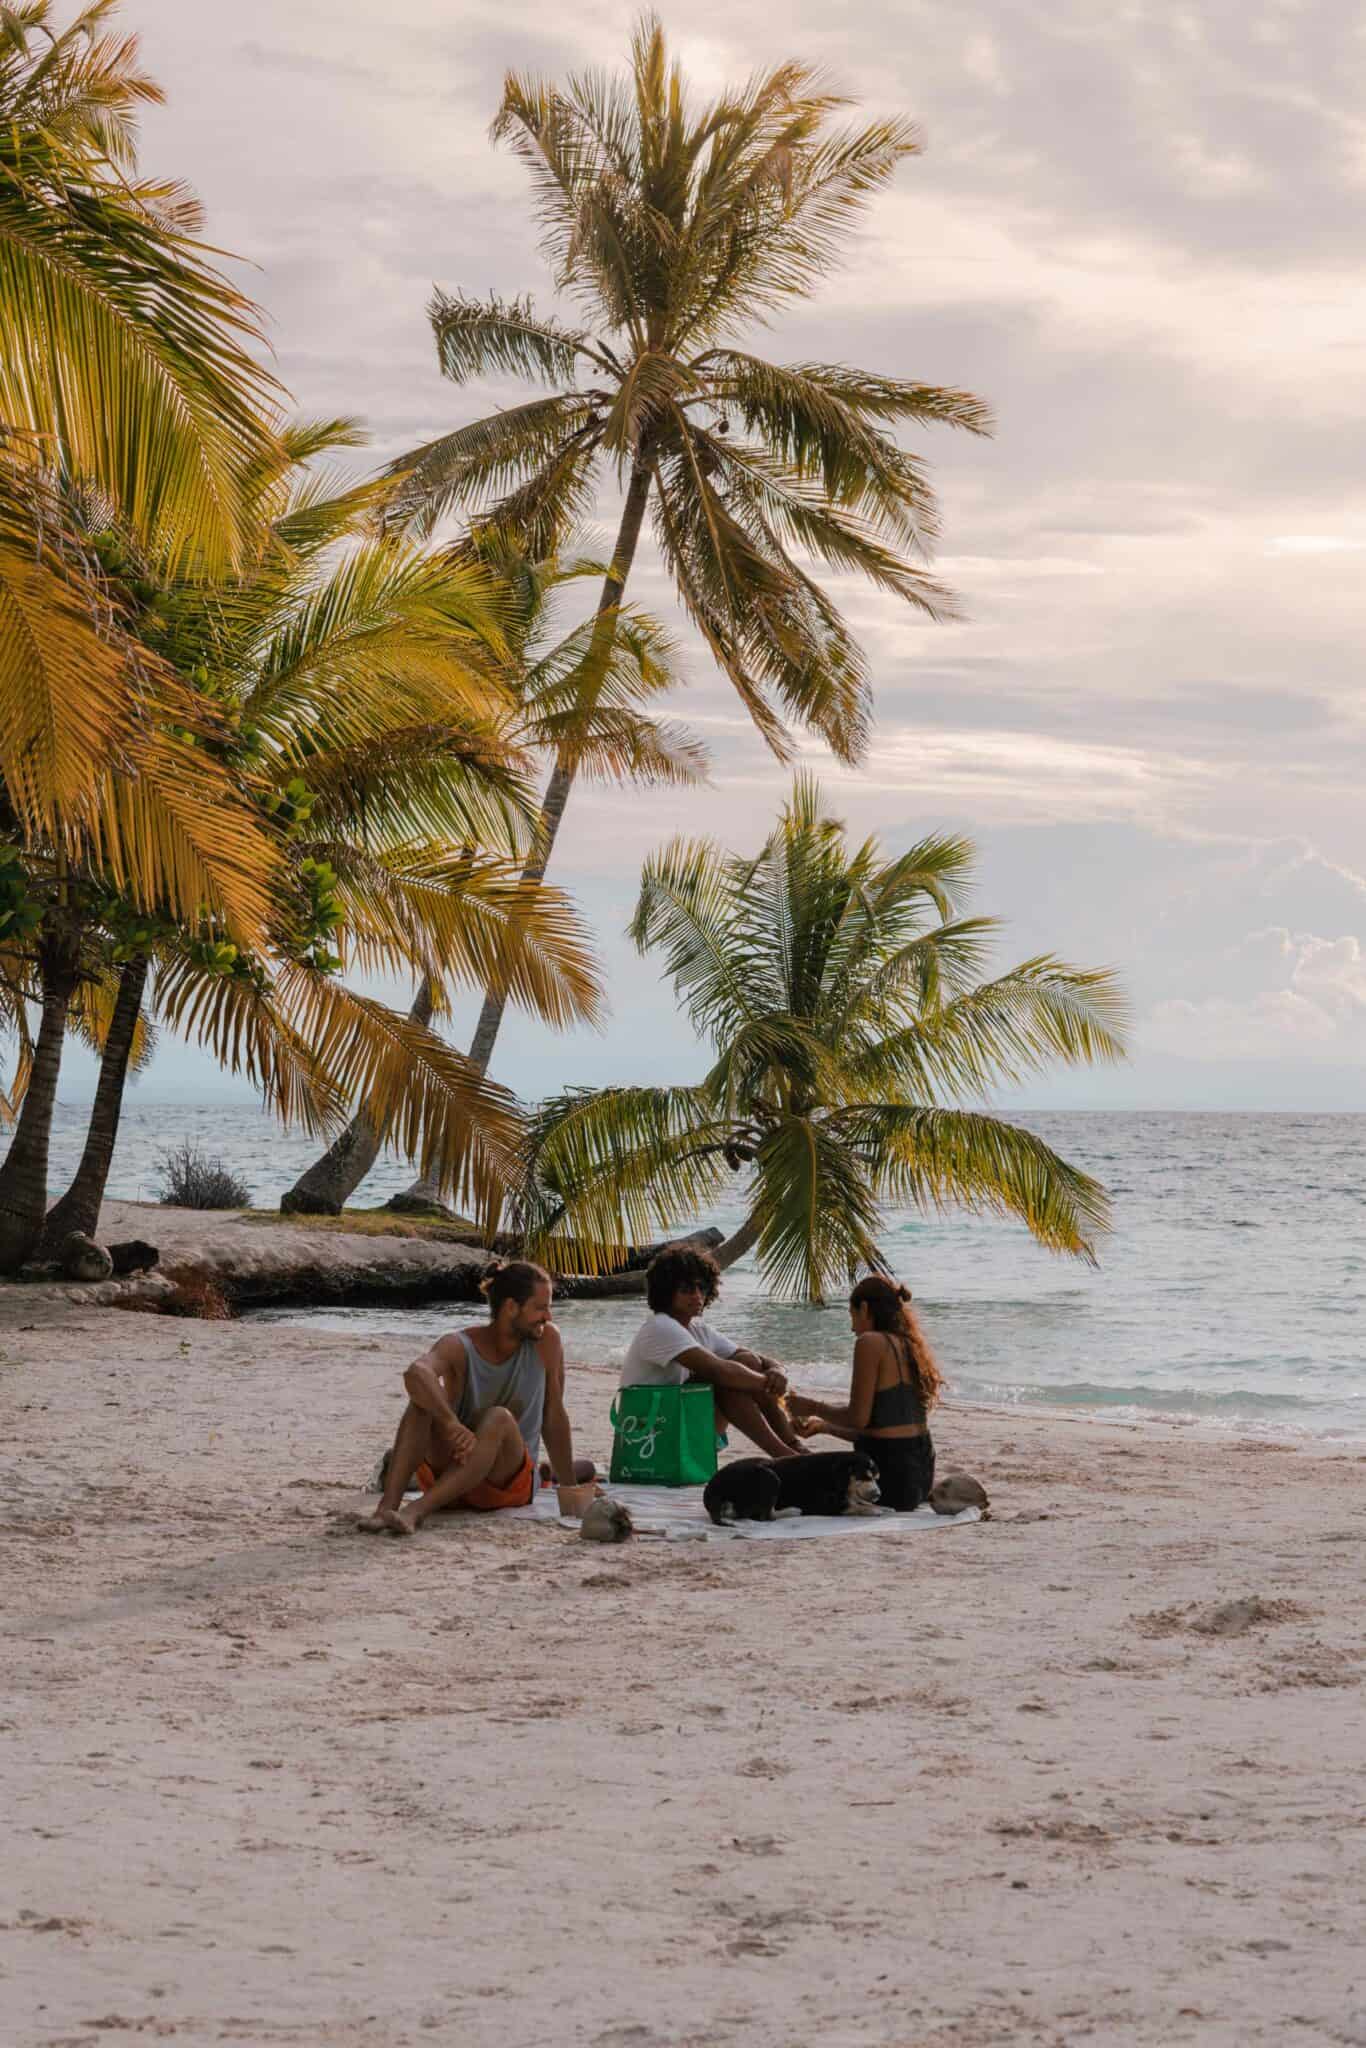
[664, 1436]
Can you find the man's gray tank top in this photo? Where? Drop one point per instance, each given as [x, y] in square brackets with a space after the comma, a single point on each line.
[518, 1386]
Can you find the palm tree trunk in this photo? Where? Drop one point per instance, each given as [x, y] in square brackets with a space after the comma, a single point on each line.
[560, 783]
[327, 1186]
[79, 1207]
[424, 1192]
[619, 1286]
[23, 1177]
[735, 1246]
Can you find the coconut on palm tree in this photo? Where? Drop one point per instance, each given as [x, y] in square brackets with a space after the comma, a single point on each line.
[676, 228]
[853, 1040]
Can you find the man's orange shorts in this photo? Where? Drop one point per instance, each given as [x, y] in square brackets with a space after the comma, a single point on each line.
[485, 1497]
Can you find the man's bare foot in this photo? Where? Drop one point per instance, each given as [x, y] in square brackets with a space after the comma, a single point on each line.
[372, 1524]
[396, 1524]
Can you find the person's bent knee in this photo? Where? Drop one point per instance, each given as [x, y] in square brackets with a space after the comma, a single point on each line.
[499, 1419]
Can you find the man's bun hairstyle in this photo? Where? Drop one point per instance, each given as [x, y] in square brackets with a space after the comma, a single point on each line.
[511, 1280]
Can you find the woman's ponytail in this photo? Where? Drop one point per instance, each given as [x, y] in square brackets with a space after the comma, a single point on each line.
[889, 1304]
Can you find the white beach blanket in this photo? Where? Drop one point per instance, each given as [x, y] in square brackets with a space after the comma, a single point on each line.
[677, 1513]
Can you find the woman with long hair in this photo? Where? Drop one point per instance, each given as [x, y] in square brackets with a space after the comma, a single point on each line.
[895, 1384]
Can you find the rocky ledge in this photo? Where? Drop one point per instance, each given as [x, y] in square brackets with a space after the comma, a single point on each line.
[252, 1264]
[289, 1265]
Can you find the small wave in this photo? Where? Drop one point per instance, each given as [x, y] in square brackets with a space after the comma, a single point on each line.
[1169, 1400]
[1068, 1300]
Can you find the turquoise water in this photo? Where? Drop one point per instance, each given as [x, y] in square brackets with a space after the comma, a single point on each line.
[1232, 1290]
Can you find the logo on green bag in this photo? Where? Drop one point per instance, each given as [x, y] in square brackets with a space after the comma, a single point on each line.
[642, 1436]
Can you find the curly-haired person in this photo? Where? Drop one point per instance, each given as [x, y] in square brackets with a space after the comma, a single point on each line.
[674, 1345]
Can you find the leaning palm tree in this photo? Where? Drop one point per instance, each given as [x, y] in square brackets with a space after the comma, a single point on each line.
[851, 1031]
[592, 715]
[676, 228]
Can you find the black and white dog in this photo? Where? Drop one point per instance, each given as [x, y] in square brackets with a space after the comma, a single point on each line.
[822, 1483]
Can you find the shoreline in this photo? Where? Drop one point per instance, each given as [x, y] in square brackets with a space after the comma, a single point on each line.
[269, 1781]
[1120, 1416]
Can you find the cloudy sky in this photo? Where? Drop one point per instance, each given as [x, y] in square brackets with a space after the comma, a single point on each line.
[1135, 230]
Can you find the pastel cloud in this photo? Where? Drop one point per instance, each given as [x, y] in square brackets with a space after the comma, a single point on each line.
[1319, 1011]
[1137, 232]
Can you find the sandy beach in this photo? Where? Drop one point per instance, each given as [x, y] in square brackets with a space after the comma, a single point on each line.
[1038, 1781]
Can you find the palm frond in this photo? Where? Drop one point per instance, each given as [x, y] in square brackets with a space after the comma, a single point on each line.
[171, 409]
[431, 1103]
[781, 632]
[815, 1209]
[174, 836]
[388, 626]
[605, 1168]
[494, 336]
[65, 677]
[787, 221]
[506, 451]
[807, 412]
[245, 1030]
[686, 910]
[1037, 1015]
[551, 503]
[466, 783]
[776, 503]
[581, 149]
[580, 699]
[938, 1159]
[471, 918]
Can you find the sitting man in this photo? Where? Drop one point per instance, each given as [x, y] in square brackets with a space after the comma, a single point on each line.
[478, 1402]
[673, 1344]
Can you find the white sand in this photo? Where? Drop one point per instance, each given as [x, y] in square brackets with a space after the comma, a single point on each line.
[264, 1780]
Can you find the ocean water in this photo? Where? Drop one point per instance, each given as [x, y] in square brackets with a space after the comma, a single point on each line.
[1232, 1289]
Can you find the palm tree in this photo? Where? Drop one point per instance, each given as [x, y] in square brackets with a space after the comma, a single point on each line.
[676, 228]
[128, 374]
[589, 711]
[139, 444]
[840, 993]
[360, 705]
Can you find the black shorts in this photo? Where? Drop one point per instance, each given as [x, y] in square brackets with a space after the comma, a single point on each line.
[905, 1469]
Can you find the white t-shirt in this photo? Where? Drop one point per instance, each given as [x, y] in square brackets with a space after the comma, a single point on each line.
[653, 1358]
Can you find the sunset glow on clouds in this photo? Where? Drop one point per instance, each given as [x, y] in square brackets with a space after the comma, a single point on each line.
[1139, 239]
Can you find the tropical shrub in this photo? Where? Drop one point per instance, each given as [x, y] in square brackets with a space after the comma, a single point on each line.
[193, 1179]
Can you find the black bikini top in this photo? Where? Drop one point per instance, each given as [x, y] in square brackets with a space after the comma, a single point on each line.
[894, 1407]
